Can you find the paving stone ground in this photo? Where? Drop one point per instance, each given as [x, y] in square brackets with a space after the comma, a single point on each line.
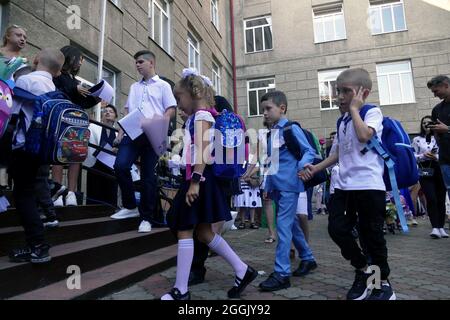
[420, 269]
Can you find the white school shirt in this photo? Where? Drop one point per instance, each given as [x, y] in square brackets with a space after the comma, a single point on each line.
[154, 96]
[359, 171]
[38, 83]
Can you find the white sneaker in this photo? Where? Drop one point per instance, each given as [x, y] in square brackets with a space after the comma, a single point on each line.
[443, 233]
[60, 192]
[145, 227]
[71, 199]
[435, 234]
[58, 202]
[125, 214]
[415, 223]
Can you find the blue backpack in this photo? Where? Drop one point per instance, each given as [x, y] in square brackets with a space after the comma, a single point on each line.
[59, 131]
[232, 155]
[400, 164]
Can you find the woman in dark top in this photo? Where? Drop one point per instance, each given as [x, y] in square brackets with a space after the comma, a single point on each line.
[101, 188]
[68, 84]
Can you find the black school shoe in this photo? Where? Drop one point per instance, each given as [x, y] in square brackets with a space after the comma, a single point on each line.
[176, 295]
[20, 255]
[384, 293]
[304, 268]
[236, 291]
[275, 282]
[359, 289]
[196, 277]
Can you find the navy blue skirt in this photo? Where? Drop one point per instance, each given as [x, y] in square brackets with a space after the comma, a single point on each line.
[211, 206]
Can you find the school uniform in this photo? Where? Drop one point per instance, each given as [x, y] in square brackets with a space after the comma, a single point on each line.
[212, 205]
[284, 186]
[359, 188]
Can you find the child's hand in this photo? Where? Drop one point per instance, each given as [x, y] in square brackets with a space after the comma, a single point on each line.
[193, 193]
[358, 99]
[308, 172]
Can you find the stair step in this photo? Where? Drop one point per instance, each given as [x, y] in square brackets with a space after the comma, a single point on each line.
[88, 255]
[103, 281]
[11, 218]
[69, 231]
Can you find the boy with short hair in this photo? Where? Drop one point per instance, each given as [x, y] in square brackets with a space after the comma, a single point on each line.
[360, 186]
[284, 189]
[24, 168]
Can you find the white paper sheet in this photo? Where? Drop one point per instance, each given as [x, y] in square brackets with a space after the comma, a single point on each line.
[131, 124]
[103, 90]
[106, 158]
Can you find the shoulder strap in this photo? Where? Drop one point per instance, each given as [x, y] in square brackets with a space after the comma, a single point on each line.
[24, 94]
[366, 109]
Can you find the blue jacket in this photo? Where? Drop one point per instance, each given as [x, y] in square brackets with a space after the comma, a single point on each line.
[284, 166]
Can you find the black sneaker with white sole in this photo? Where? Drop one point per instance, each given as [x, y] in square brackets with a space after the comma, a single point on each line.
[385, 293]
[39, 254]
[20, 255]
[359, 289]
[50, 223]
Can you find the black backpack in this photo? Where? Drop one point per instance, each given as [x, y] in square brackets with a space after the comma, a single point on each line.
[294, 148]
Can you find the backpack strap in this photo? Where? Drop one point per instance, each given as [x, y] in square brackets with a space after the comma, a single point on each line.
[24, 94]
[375, 145]
[290, 141]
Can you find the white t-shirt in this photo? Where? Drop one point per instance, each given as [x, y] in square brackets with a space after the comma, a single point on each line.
[359, 171]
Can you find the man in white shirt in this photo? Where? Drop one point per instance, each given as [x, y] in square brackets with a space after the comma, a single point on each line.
[152, 96]
[359, 187]
[24, 168]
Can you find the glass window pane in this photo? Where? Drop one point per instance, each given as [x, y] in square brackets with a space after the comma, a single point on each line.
[383, 90]
[399, 17]
[387, 19]
[259, 39]
[396, 92]
[261, 83]
[334, 94]
[268, 38]
[340, 27]
[249, 41]
[408, 88]
[261, 93]
[324, 92]
[318, 31]
[253, 103]
[395, 67]
[329, 28]
[165, 35]
[157, 25]
[257, 22]
[375, 21]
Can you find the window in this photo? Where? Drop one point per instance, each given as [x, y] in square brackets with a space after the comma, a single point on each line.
[256, 89]
[395, 83]
[258, 35]
[159, 16]
[116, 3]
[215, 13]
[194, 52]
[387, 17]
[327, 88]
[329, 26]
[216, 79]
[89, 73]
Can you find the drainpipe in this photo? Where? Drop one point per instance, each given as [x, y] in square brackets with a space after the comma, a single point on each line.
[101, 55]
[233, 55]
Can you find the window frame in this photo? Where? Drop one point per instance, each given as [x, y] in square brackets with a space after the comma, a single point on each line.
[256, 90]
[215, 18]
[338, 70]
[321, 16]
[270, 25]
[196, 50]
[379, 7]
[167, 14]
[388, 74]
[217, 78]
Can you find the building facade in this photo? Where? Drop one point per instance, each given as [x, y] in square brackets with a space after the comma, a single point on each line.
[300, 46]
[181, 33]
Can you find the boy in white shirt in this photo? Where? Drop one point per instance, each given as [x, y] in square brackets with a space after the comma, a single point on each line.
[360, 186]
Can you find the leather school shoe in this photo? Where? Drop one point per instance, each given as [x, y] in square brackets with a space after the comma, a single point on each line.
[304, 268]
[236, 291]
[275, 282]
[176, 295]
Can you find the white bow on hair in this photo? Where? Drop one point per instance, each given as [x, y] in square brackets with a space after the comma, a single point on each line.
[187, 72]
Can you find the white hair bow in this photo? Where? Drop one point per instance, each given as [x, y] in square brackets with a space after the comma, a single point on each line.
[207, 81]
[187, 72]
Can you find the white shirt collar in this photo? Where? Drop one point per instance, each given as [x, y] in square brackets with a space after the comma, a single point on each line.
[154, 79]
[44, 74]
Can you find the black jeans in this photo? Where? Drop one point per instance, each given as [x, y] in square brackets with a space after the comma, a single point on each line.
[100, 188]
[435, 193]
[43, 194]
[24, 171]
[371, 208]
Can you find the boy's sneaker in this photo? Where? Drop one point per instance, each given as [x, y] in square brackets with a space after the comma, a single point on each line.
[39, 254]
[20, 255]
[50, 223]
[58, 203]
[415, 223]
[359, 289]
[71, 199]
[384, 293]
[145, 227]
[435, 234]
[443, 233]
[126, 213]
